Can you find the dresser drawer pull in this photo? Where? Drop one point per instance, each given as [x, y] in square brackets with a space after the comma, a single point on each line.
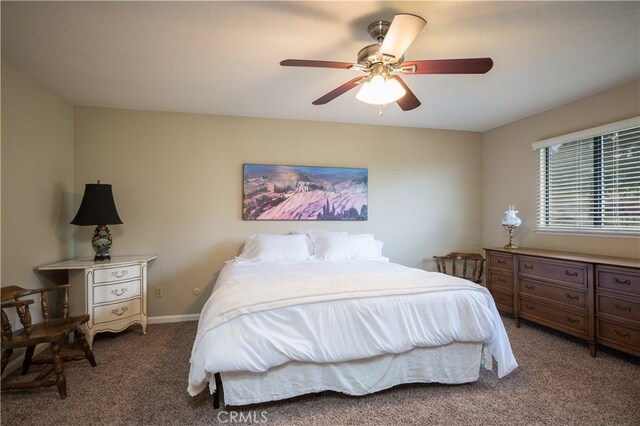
[501, 262]
[501, 280]
[571, 274]
[529, 307]
[619, 281]
[572, 320]
[120, 292]
[119, 312]
[528, 266]
[530, 287]
[622, 308]
[120, 274]
[572, 297]
[618, 333]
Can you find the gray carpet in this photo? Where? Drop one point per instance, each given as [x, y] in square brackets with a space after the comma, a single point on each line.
[141, 380]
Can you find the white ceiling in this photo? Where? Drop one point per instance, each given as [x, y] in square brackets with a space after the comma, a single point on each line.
[223, 57]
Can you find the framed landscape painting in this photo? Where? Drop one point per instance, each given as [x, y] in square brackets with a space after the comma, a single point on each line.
[273, 192]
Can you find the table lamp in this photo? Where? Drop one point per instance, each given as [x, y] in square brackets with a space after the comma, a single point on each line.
[98, 208]
[511, 221]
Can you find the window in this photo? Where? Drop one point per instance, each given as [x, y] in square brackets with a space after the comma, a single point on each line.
[590, 181]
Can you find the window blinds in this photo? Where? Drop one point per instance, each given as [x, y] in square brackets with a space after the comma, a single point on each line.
[591, 184]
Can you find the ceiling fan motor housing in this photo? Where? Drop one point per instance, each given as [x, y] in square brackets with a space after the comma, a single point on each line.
[368, 55]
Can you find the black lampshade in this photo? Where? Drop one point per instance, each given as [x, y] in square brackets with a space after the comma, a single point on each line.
[97, 206]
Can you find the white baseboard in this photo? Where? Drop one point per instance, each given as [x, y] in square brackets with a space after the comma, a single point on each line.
[173, 318]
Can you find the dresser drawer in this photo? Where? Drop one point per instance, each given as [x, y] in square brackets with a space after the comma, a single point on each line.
[565, 272]
[560, 317]
[116, 292]
[116, 311]
[499, 281]
[622, 280]
[565, 296]
[503, 262]
[616, 333]
[618, 307]
[106, 275]
[504, 301]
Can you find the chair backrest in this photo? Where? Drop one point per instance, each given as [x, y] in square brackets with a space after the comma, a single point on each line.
[463, 265]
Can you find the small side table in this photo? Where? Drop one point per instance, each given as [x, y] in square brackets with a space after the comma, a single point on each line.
[113, 293]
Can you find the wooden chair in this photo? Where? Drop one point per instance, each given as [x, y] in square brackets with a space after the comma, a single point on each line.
[450, 265]
[49, 331]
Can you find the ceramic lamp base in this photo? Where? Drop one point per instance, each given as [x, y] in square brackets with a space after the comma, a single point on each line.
[101, 243]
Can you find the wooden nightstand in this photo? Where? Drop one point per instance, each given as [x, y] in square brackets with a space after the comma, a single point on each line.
[113, 293]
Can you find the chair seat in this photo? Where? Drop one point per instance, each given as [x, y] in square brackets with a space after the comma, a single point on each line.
[44, 332]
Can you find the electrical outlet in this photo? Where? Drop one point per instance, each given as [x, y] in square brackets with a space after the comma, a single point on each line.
[159, 291]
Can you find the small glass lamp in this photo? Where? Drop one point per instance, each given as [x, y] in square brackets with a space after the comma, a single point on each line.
[98, 208]
[511, 221]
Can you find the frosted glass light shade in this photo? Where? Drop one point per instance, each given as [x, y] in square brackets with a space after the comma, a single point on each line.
[379, 91]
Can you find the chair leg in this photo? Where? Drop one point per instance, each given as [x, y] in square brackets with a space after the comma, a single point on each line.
[6, 355]
[88, 353]
[28, 355]
[58, 368]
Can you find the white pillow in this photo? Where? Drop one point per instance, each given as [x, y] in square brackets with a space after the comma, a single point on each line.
[261, 248]
[338, 246]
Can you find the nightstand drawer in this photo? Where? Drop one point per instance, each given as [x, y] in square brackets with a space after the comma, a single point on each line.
[564, 272]
[108, 275]
[116, 311]
[565, 296]
[116, 292]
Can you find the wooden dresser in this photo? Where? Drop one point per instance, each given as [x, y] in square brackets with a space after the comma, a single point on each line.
[596, 298]
[113, 293]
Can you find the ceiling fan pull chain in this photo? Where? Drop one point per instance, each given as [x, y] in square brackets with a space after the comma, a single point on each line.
[380, 113]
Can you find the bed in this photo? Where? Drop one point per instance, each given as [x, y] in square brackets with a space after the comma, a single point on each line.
[305, 323]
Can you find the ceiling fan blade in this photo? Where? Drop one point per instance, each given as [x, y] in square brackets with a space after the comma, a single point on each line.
[404, 29]
[448, 66]
[338, 91]
[317, 64]
[409, 100]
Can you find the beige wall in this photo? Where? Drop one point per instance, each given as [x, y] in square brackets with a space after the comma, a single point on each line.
[177, 182]
[511, 170]
[37, 178]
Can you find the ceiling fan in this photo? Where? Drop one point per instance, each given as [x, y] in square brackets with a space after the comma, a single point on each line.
[383, 61]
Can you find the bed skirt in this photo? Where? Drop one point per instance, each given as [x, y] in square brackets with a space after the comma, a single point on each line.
[451, 364]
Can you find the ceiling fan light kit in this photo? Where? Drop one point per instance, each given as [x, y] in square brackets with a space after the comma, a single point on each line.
[384, 60]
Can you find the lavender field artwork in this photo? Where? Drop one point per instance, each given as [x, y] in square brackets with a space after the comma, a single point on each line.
[304, 193]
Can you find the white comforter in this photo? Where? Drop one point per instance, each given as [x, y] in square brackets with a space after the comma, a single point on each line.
[260, 316]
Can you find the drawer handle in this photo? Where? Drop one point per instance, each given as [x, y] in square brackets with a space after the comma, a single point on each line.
[572, 297]
[501, 280]
[528, 266]
[619, 281]
[120, 292]
[571, 274]
[622, 308]
[618, 333]
[119, 312]
[120, 274]
[530, 287]
[529, 307]
[501, 262]
[572, 320]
